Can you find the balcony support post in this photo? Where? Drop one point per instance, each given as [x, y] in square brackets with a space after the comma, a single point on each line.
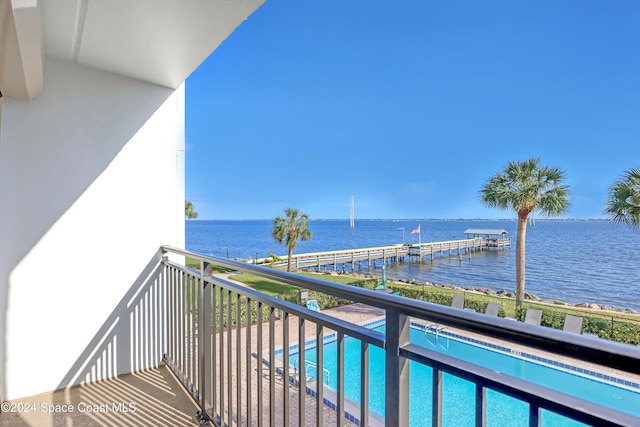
[397, 370]
[204, 344]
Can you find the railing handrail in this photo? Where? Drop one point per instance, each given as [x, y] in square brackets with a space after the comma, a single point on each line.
[346, 251]
[612, 354]
[556, 401]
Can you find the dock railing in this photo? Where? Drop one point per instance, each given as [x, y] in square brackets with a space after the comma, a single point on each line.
[224, 342]
[386, 253]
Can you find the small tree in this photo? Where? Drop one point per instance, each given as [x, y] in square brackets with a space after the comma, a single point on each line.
[273, 258]
[189, 210]
[526, 187]
[289, 229]
[623, 203]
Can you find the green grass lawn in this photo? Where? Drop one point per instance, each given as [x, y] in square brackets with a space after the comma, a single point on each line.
[195, 264]
[611, 325]
[267, 286]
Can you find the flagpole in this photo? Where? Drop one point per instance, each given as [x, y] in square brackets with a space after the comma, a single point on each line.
[419, 232]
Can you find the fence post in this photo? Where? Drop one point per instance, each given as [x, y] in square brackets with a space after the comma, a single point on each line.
[397, 370]
[204, 345]
[613, 331]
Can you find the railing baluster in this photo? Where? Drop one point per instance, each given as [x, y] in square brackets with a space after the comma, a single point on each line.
[302, 377]
[209, 368]
[248, 360]
[174, 320]
[170, 318]
[193, 314]
[177, 360]
[183, 330]
[285, 368]
[221, 354]
[229, 360]
[260, 364]
[534, 415]
[436, 404]
[340, 380]
[186, 366]
[319, 374]
[481, 406]
[214, 354]
[186, 348]
[238, 362]
[189, 324]
[364, 383]
[272, 367]
[204, 339]
[396, 370]
[210, 330]
[176, 313]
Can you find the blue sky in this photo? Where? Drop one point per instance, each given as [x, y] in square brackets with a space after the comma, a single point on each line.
[411, 105]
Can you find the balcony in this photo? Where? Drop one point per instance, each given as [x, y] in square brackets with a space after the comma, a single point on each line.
[232, 357]
[148, 397]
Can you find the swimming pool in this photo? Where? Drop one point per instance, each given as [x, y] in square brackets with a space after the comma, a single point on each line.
[459, 395]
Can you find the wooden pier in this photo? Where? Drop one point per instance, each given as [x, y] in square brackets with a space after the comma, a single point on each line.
[393, 253]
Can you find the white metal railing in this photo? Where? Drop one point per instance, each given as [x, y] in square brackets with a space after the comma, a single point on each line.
[235, 375]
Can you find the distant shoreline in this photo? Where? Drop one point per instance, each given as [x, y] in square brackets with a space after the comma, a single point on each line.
[411, 219]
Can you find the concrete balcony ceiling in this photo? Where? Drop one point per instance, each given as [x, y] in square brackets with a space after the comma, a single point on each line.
[160, 42]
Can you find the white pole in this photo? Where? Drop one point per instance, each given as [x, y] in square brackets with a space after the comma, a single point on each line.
[351, 213]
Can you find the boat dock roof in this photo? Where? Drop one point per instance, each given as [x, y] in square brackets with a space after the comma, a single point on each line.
[485, 231]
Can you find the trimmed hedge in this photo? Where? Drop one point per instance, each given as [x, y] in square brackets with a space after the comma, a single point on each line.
[607, 327]
[622, 328]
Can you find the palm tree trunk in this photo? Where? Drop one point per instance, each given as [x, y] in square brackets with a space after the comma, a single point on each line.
[289, 259]
[521, 262]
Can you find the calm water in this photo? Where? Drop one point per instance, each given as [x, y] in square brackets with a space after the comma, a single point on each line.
[576, 261]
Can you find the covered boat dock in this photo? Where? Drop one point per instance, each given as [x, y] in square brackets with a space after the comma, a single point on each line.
[491, 237]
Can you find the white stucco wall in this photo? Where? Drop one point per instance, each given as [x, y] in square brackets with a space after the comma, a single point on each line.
[91, 184]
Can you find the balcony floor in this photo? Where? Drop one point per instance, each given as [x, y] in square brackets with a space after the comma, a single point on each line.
[150, 397]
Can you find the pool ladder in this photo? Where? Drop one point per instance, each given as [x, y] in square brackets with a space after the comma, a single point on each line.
[433, 335]
[310, 366]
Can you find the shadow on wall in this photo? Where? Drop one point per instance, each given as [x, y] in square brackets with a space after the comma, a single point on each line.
[48, 160]
[132, 338]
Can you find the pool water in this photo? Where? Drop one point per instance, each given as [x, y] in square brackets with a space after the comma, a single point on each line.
[458, 394]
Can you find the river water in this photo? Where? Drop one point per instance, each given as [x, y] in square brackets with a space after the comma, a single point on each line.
[576, 261]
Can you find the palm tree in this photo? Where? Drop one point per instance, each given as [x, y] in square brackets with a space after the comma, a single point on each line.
[290, 229]
[623, 203]
[189, 211]
[526, 187]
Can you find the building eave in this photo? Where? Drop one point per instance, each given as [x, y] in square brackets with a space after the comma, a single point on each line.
[161, 43]
[21, 49]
